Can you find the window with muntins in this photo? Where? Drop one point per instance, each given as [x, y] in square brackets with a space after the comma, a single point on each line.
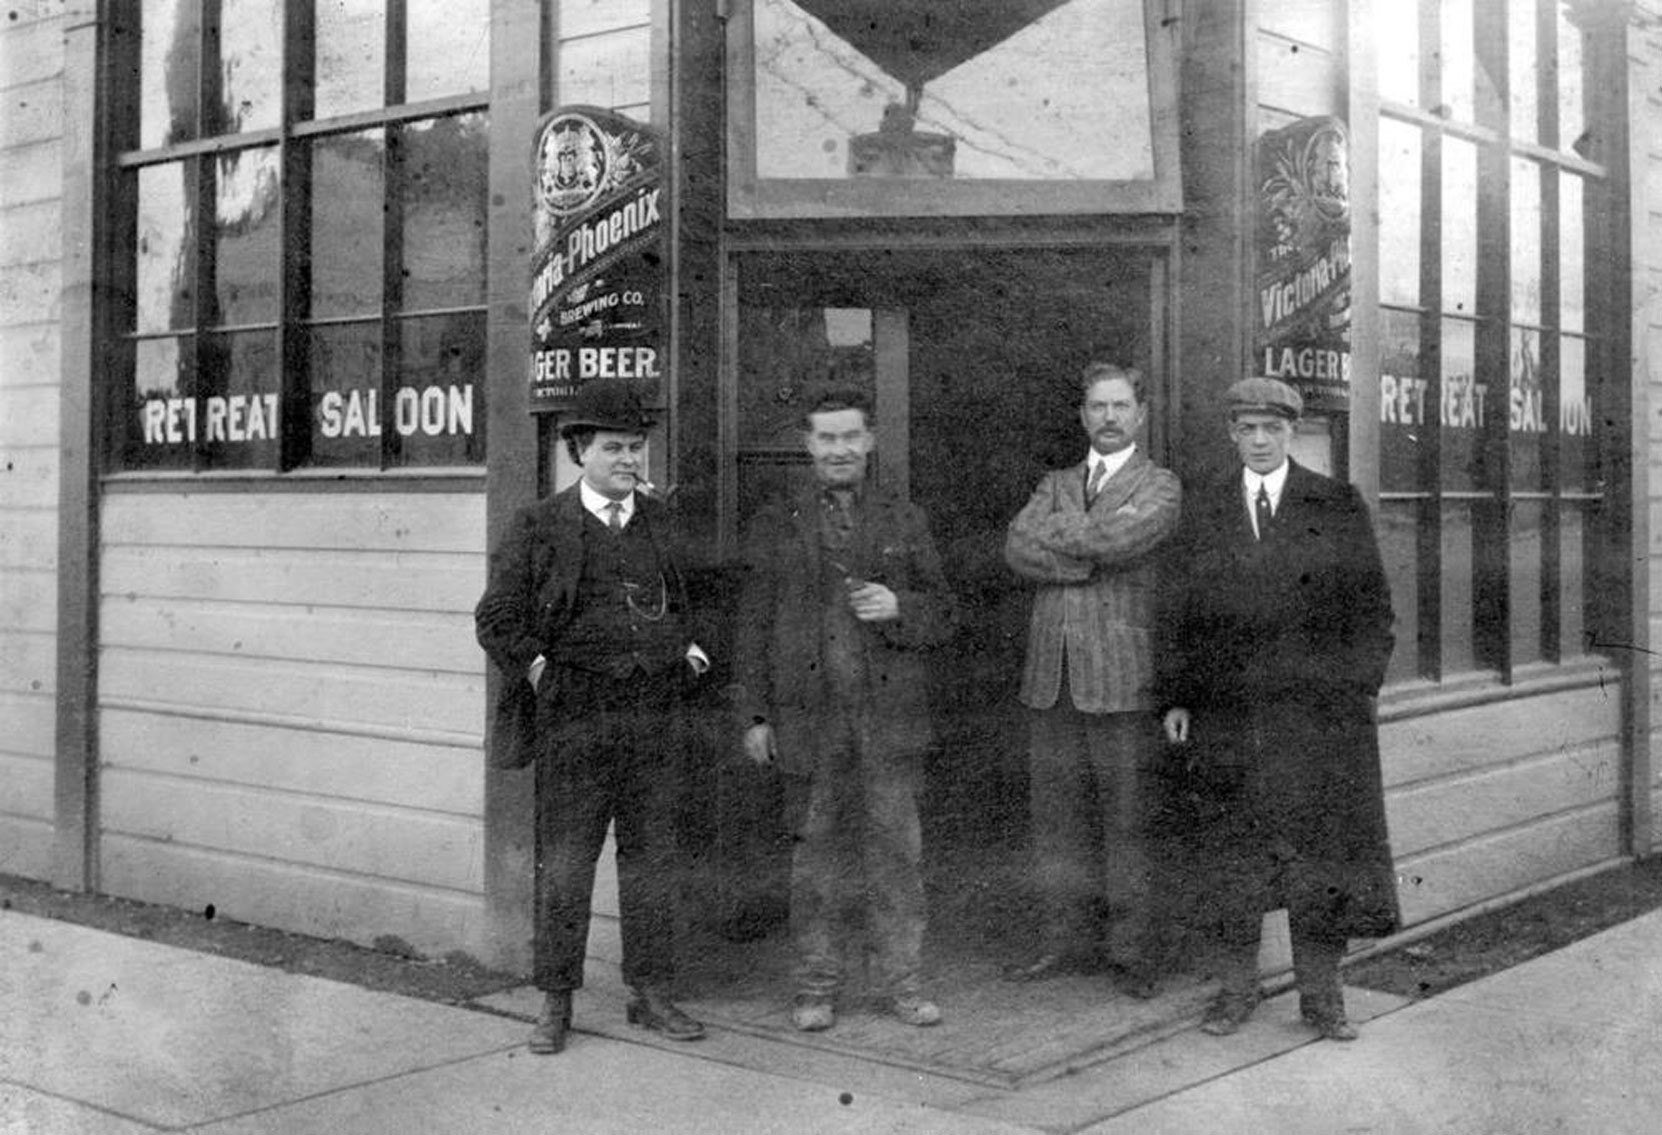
[299, 224]
[1495, 366]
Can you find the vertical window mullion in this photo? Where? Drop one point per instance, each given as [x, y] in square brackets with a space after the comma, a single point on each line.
[1432, 615]
[1492, 554]
[392, 288]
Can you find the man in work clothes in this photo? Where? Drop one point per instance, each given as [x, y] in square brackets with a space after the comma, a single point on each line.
[843, 594]
[1279, 632]
[586, 616]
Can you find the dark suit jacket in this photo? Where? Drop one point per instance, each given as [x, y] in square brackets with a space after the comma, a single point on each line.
[777, 643]
[1277, 648]
[528, 599]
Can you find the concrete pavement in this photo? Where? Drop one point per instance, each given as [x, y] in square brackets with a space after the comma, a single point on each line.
[101, 1033]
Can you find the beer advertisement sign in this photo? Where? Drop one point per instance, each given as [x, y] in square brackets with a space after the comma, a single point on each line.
[1302, 294]
[599, 273]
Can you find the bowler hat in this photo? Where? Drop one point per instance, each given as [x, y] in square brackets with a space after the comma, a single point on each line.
[1264, 396]
[607, 404]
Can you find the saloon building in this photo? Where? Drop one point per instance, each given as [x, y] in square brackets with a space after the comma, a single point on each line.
[278, 359]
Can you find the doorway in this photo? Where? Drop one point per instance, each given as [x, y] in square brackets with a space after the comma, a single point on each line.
[973, 357]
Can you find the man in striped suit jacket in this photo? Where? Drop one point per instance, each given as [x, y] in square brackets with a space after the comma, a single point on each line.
[1088, 539]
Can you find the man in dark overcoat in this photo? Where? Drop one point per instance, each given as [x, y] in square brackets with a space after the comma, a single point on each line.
[843, 594]
[585, 614]
[1087, 540]
[1275, 645]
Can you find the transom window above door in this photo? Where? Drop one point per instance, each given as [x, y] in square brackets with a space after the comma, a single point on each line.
[919, 107]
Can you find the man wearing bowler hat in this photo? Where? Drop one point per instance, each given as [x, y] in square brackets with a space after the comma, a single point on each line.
[586, 616]
[1276, 639]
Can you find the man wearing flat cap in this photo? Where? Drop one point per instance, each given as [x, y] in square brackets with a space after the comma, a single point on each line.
[1275, 636]
[586, 616]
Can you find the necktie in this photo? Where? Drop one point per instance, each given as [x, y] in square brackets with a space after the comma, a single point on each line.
[614, 516]
[1094, 485]
[1261, 512]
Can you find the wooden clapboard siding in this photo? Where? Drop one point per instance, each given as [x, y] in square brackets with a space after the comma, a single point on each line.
[1297, 79]
[1488, 799]
[1505, 862]
[307, 900]
[31, 248]
[1645, 196]
[291, 696]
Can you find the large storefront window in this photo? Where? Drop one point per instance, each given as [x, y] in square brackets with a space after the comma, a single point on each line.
[1493, 370]
[909, 107]
[300, 232]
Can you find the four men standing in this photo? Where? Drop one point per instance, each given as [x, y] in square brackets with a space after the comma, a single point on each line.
[1088, 538]
[1273, 638]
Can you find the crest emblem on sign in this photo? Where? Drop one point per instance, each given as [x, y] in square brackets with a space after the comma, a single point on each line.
[578, 162]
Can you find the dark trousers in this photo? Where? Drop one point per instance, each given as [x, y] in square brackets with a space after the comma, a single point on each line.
[859, 851]
[1088, 796]
[622, 768]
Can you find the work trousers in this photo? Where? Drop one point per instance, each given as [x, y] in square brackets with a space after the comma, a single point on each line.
[623, 769]
[1089, 787]
[858, 853]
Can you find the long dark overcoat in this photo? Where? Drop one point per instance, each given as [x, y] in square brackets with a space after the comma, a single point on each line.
[777, 641]
[528, 599]
[1278, 648]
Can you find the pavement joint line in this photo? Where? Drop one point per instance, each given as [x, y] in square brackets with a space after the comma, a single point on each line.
[100, 1108]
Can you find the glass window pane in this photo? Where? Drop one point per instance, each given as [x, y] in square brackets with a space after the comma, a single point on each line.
[1400, 183]
[1526, 525]
[1459, 203]
[1407, 408]
[250, 64]
[351, 56]
[247, 236]
[444, 183]
[1526, 241]
[1578, 454]
[1572, 112]
[1399, 547]
[1523, 63]
[1026, 91]
[1396, 38]
[1572, 257]
[1526, 412]
[785, 349]
[1463, 409]
[447, 48]
[347, 203]
[165, 273]
[438, 412]
[170, 65]
[1457, 61]
[345, 368]
[160, 432]
[237, 401]
[1459, 619]
[1574, 525]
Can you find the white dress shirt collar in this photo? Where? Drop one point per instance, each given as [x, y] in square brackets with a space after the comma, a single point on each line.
[596, 502]
[1112, 462]
[1272, 482]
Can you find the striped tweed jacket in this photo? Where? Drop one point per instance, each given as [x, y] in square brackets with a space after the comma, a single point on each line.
[1096, 575]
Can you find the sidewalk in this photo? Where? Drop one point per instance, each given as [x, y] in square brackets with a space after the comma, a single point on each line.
[103, 1033]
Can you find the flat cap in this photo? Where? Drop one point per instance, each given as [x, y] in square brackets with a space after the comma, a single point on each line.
[607, 404]
[1264, 396]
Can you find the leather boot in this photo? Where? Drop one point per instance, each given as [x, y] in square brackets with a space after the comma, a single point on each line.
[1321, 996]
[650, 1007]
[548, 1036]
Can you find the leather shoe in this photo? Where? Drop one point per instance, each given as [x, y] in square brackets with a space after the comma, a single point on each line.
[1227, 1013]
[1330, 1020]
[918, 1011]
[548, 1036]
[652, 1009]
[1135, 980]
[1041, 967]
[813, 1013]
